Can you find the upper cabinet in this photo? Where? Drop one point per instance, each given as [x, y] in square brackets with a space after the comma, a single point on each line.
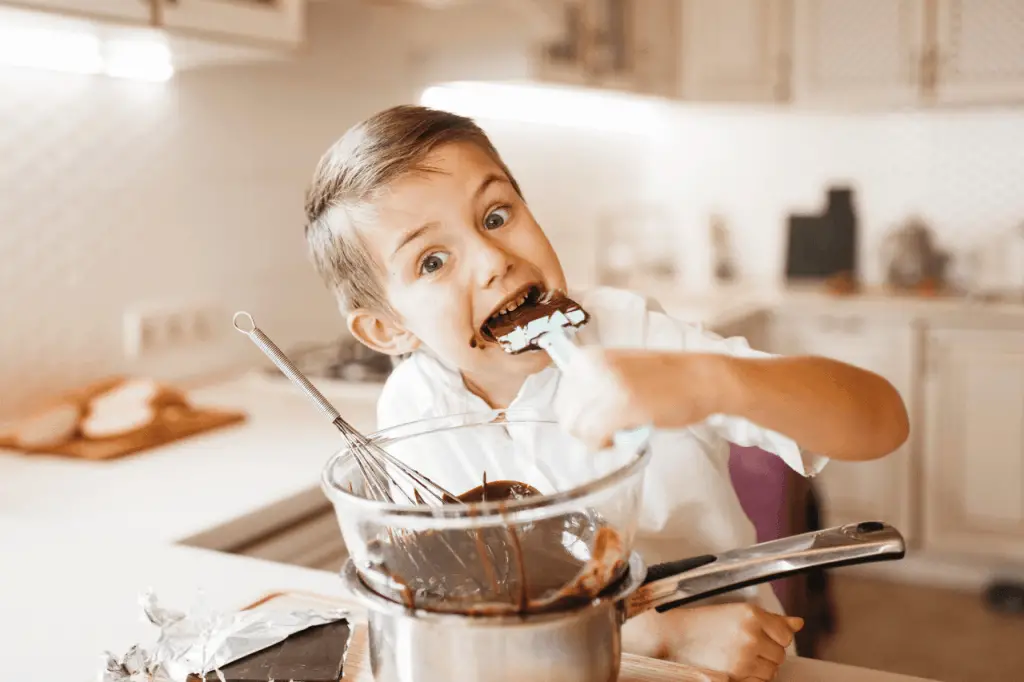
[131, 11]
[623, 45]
[822, 53]
[864, 52]
[275, 22]
[573, 56]
[978, 55]
[735, 50]
[211, 27]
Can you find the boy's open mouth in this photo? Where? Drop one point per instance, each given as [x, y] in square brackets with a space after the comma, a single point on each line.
[509, 310]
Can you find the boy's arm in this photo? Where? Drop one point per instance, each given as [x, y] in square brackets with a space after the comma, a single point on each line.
[828, 407]
[806, 410]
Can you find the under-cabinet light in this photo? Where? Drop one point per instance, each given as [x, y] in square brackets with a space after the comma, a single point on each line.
[80, 51]
[579, 108]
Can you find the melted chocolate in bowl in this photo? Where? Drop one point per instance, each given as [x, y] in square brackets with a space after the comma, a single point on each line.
[518, 568]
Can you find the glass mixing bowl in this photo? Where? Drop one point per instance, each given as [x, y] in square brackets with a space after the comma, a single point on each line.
[557, 541]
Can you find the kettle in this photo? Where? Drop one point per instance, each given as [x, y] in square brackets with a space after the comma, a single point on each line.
[912, 261]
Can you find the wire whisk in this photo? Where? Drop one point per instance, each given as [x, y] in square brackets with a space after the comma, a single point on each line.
[379, 468]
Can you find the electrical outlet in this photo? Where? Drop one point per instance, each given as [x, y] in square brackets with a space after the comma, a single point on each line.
[154, 329]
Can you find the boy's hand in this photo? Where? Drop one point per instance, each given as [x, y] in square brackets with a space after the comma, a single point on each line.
[607, 390]
[742, 640]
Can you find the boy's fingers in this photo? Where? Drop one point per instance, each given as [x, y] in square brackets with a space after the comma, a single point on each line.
[761, 669]
[778, 628]
[795, 624]
[772, 652]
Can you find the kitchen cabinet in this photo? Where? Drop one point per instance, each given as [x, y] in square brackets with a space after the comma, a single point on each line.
[274, 22]
[978, 54]
[735, 51]
[858, 53]
[834, 53]
[753, 327]
[974, 442]
[656, 33]
[858, 491]
[130, 11]
[613, 44]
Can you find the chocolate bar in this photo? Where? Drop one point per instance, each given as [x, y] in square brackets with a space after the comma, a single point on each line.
[520, 329]
[316, 654]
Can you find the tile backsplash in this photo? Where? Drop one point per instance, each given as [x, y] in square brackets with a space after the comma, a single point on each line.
[960, 170]
[114, 194]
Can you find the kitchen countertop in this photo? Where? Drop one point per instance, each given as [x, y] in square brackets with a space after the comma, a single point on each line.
[66, 599]
[721, 306]
[223, 480]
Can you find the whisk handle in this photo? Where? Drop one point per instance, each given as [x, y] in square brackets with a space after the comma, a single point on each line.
[244, 323]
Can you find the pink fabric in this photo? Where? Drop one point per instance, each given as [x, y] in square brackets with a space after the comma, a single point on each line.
[759, 479]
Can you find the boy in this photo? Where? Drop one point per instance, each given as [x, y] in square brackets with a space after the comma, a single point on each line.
[423, 235]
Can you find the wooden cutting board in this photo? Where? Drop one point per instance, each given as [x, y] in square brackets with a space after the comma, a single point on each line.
[172, 423]
[357, 662]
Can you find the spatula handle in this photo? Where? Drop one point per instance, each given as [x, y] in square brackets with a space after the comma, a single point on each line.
[562, 350]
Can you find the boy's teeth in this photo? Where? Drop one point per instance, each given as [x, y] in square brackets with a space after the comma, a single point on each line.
[514, 304]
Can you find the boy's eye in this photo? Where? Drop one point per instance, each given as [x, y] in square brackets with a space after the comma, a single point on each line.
[433, 262]
[496, 218]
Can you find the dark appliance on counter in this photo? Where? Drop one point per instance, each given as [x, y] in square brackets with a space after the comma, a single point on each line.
[824, 246]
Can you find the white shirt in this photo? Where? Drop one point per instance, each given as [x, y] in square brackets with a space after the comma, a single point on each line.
[689, 506]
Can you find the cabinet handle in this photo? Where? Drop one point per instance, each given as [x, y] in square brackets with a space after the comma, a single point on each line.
[783, 78]
[853, 324]
[931, 68]
[915, 72]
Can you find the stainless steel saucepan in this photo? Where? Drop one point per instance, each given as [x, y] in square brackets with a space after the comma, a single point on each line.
[584, 644]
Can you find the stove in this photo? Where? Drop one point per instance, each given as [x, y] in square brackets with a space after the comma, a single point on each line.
[342, 361]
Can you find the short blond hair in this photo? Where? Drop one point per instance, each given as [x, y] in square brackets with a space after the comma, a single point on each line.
[353, 174]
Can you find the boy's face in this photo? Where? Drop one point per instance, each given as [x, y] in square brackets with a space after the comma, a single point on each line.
[457, 246]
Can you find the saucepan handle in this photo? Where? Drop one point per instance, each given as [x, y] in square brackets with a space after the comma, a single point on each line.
[676, 583]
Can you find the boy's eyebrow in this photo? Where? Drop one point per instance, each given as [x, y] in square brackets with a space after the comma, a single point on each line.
[487, 182]
[410, 236]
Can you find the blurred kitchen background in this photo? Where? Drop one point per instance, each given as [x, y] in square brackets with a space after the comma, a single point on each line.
[838, 177]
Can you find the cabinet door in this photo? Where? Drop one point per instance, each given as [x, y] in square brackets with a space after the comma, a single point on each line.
[133, 11]
[735, 50]
[258, 21]
[974, 450]
[859, 491]
[563, 58]
[753, 328]
[656, 28]
[597, 45]
[863, 52]
[980, 51]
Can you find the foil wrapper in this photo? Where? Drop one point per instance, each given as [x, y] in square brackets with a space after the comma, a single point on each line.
[193, 644]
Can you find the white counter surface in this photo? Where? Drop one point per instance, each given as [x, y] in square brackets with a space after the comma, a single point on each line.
[66, 598]
[186, 488]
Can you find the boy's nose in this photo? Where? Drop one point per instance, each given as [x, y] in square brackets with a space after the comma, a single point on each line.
[494, 263]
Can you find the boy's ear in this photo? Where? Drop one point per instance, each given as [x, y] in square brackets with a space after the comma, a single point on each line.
[381, 333]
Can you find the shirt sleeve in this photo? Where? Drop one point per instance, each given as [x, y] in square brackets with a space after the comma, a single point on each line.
[664, 332]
